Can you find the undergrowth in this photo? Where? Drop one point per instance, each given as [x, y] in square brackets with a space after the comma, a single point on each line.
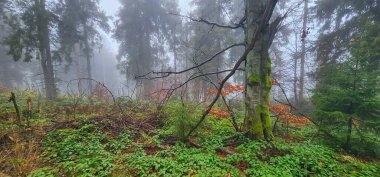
[88, 152]
[90, 148]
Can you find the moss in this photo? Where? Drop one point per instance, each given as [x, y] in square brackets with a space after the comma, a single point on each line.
[260, 122]
[269, 65]
[254, 79]
[268, 82]
[264, 110]
[256, 132]
[268, 79]
[266, 122]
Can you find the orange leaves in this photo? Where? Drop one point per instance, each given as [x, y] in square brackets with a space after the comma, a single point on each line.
[212, 91]
[219, 113]
[234, 88]
[274, 82]
[283, 111]
[228, 89]
[280, 109]
[297, 120]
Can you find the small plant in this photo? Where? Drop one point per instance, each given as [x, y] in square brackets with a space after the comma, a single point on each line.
[182, 118]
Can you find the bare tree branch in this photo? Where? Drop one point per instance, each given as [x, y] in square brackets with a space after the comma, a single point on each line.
[168, 73]
[240, 24]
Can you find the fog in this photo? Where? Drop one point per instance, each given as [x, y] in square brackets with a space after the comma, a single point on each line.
[110, 67]
[175, 41]
[189, 87]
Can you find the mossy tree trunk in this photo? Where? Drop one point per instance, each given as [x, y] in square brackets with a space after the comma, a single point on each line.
[258, 70]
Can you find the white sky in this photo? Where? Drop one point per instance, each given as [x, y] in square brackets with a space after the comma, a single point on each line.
[111, 7]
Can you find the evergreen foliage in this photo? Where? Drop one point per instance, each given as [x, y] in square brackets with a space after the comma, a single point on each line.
[347, 92]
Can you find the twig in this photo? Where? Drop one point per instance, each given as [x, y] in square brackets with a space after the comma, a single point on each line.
[240, 24]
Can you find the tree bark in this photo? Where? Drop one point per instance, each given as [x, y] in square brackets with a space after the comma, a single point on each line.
[44, 49]
[303, 52]
[347, 146]
[87, 51]
[295, 76]
[295, 82]
[258, 67]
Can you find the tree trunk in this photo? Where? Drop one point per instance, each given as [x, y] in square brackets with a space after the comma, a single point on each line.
[347, 146]
[258, 67]
[303, 52]
[44, 48]
[295, 81]
[175, 64]
[295, 77]
[87, 51]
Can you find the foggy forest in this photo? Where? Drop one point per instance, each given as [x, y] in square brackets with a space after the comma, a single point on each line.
[189, 88]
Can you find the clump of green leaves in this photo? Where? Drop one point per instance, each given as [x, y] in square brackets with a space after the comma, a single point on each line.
[178, 161]
[85, 151]
[45, 172]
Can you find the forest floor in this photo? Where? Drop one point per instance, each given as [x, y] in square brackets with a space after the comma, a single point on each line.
[77, 137]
